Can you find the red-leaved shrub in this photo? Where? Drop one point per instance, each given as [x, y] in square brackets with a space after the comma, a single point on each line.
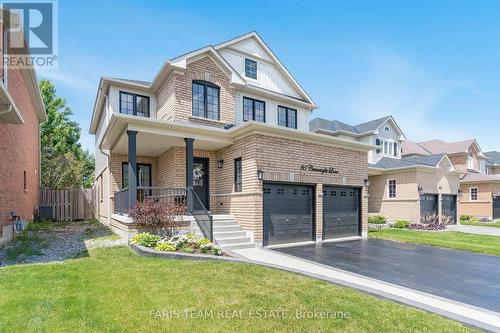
[158, 216]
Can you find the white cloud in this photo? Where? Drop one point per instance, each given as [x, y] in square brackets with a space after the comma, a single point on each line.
[69, 79]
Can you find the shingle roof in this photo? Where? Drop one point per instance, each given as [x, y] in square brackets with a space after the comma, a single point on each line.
[410, 148]
[335, 125]
[493, 157]
[144, 83]
[480, 177]
[394, 163]
[439, 146]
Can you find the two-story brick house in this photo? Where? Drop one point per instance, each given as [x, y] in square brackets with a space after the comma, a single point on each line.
[479, 185]
[21, 113]
[400, 187]
[226, 128]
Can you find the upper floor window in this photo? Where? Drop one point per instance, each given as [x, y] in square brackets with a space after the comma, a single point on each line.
[206, 98]
[250, 68]
[473, 193]
[392, 188]
[134, 104]
[254, 109]
[470, 161]
[287, 117]
[388, 148]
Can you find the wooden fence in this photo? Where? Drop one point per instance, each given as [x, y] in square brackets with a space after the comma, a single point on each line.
[68, 204]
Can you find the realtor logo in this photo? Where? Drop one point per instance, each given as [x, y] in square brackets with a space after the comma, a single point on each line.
[30, 30]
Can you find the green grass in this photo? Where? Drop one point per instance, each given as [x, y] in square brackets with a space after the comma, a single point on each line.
[495, 224]
[449, 239]
[114, 290]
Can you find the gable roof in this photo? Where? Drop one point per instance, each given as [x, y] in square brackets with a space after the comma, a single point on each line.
[180, 63]
[412, 148]
[333, 126]
[388, 163]
[493, 157]
[288, 76]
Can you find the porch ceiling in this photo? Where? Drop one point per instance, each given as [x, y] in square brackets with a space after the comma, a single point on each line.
[153, 141]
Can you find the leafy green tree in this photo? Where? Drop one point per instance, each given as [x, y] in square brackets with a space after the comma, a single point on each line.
[64, 162]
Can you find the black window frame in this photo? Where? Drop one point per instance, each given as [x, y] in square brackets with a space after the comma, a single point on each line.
[238, 175]
[134, 103]
[205, 85]
[249, 64]
[392, 193]
[138, 164]
[473, 197]
[253, 100]
[287, 116]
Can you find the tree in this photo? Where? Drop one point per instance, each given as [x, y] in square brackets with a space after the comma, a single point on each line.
[64, 162]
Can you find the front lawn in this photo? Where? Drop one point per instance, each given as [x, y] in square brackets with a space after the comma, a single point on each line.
[114, 290]
[495, 224]
[449, 239]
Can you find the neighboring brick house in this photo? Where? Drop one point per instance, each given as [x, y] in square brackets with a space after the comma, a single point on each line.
[479, 184]
[226, 128]
[400, 187]
[21, 113]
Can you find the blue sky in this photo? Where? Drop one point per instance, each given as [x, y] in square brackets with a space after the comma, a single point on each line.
[432, 64]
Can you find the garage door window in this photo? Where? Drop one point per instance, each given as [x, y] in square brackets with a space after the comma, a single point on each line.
[392, 188]
[473, 193]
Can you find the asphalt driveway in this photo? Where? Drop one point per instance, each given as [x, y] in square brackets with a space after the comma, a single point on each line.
[457, 275]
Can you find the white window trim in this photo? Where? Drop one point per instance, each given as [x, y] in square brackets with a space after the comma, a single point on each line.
[390, 148]
[470, 162]
[389, 189]
[470, 193]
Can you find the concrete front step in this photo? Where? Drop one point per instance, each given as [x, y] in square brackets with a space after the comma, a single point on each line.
[232, 240]
[227, 228]
[229, 234]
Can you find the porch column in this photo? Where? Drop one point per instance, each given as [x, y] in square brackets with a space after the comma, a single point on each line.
[132, 168]
[189, 174]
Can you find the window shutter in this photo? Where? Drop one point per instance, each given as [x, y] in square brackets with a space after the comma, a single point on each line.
[377, 143]
[395, 149]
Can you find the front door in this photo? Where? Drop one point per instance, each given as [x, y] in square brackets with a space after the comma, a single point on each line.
[200, 183]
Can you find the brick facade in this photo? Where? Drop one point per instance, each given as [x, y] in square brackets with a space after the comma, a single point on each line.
[483, 206]
[175, 96]
[406, 204]
[279, 158]
[19, 151]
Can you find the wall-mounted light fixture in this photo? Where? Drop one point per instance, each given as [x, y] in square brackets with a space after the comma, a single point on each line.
[460, 193]
[420, 190]
[367, 183]
[220, 163]
[260, 174]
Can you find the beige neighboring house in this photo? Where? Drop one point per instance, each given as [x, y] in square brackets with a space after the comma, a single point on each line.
[400, 187]
[479, 184]
[224, 130]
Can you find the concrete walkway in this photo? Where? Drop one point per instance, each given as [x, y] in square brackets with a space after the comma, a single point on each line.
[472, 229]
[481, 318]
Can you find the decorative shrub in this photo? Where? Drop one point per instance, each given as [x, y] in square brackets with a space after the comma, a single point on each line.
[146, 239]
[166, 247]
[158, 216]
[377, 219]
[464, 217]
[401, 224]
[187, 243]
[434, 219]
[474, 220]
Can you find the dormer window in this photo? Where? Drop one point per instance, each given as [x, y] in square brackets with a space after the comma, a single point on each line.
[387, 148]
[470, 162]
[134, 104]
[250, 68]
